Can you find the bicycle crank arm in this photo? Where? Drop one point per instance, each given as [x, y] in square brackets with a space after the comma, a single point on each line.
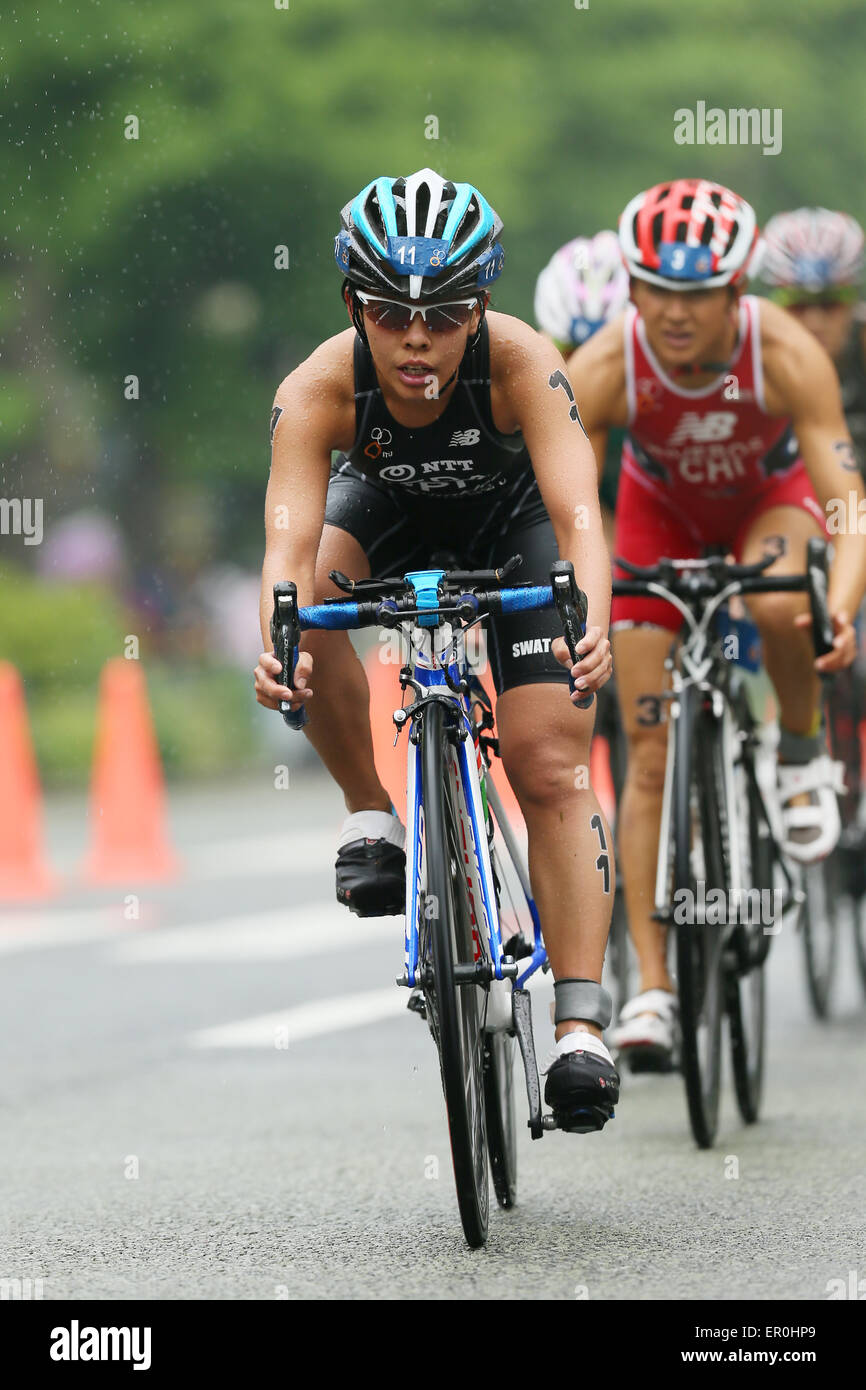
[521, 1012]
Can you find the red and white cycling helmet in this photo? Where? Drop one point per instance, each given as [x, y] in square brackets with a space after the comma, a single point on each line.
[688, 234]
[583, 285]
[812, 249]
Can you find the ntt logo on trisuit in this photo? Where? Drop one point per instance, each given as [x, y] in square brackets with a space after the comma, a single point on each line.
[76, 1343]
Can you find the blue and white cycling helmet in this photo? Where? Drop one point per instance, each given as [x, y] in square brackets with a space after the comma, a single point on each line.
[420, 238]
[814, 250]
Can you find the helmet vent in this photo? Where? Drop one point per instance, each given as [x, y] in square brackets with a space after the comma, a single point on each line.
[422, 208]
[467, 222]
[441, 219]
[374, 216]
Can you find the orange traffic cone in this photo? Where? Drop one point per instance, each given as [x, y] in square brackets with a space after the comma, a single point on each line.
[600, 776]
[385, 697]
[127, 797]
[23, 870]
[497, 770]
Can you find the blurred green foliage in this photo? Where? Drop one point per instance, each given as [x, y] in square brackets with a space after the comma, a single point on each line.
[197, 737]
[58, 637]
[57, 633]
[154, 256]
[256, 124]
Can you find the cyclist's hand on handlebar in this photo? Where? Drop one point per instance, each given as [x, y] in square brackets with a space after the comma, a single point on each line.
[844, 642]
[593, 670]
[269, 691]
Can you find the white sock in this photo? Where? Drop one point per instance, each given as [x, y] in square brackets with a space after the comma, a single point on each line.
[373, 825]
[581, 1042]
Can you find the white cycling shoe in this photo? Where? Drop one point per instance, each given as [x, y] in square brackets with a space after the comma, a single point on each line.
[645, 1033]
[811, 832]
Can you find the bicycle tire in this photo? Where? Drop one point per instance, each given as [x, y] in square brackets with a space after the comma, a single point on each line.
[458, 1010]
[859, 922]
[499, 1051]
[820, 928]
[843, 712]
[744, 975]
[698, 945]
[840, 873]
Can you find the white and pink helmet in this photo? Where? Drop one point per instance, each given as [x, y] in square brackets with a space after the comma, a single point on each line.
[583, 285]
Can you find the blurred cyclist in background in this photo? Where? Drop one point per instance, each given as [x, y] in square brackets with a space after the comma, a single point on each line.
[585, 285]
[813, 266]
[736, 437]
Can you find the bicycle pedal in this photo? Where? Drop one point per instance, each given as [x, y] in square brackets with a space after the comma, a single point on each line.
[584, 1120]
[517, 946]
[416, 1002]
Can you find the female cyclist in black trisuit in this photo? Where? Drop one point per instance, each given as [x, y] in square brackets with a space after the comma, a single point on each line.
[457, 431]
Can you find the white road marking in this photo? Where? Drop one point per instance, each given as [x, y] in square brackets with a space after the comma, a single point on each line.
[41, 929]
[292, 851]
[311, 930]
[310, 1020]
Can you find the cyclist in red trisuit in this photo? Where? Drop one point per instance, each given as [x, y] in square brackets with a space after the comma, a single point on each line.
[736, 437]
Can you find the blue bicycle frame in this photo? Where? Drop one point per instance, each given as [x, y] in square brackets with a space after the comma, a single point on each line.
[439, 656]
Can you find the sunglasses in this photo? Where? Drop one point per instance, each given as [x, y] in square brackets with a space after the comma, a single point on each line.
[396, 316]
[790, 297]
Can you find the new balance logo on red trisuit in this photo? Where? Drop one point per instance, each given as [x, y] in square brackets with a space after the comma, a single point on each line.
[700, 447]
[699, 467]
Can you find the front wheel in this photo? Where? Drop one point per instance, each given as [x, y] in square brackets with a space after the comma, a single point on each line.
[744, 978]
[822, 887]
[499, 1051]
[458, 1010]
[699, 867]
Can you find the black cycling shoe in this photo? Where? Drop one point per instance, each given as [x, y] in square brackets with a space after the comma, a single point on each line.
[581, 1090]
[371, 878]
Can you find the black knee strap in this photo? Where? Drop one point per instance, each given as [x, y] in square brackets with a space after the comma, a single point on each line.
[583, 999]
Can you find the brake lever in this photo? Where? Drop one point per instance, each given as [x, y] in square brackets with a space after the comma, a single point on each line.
[509, 567]
[285, 635]
[361, 586]
[571, 605]
[817, 573]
